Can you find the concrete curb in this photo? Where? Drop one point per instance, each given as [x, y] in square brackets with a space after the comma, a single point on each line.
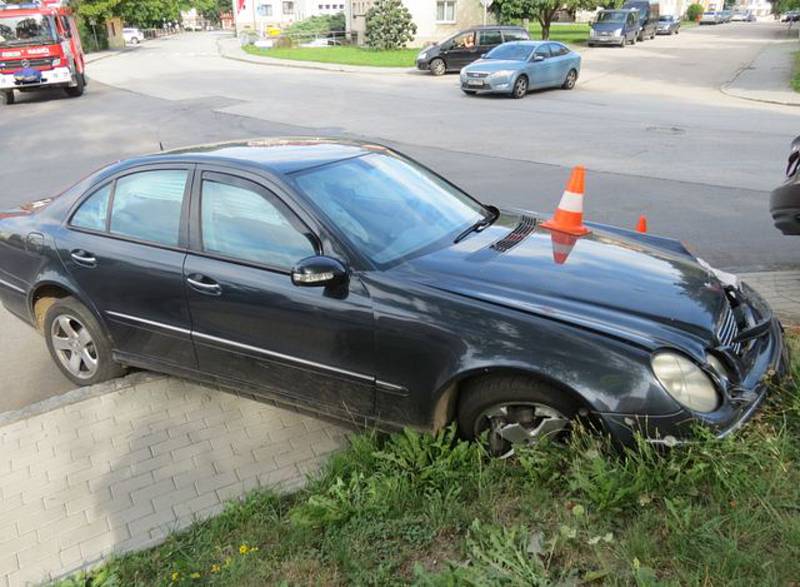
[313, 65]
[78, 395]
[729, 89]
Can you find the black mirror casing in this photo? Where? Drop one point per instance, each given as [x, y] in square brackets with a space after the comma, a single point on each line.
[319, 271]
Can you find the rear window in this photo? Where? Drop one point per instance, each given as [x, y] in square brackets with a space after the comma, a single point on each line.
[515, 36]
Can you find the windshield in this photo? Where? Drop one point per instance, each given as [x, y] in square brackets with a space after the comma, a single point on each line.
[510, 52]
[665, 19]
[389, 208]
[31, 29]
[612, 17]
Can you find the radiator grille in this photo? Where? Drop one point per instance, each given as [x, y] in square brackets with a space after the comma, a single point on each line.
[729, 330]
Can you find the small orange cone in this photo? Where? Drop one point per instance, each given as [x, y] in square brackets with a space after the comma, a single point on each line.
[562, 246]
[569, 214]
[641, 226]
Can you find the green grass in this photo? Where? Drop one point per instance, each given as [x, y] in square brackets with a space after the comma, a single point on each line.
[436, 512]
[796, 73]
[341, 55]
[566, 33]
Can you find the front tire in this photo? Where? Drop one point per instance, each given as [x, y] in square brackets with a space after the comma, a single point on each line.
[570, 80]
[78, 344]
[438, 67]
[520, 88]
[77, 91]
[7, 98]
[513, 410]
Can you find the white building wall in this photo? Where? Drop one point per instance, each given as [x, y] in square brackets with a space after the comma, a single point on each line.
[261, 15]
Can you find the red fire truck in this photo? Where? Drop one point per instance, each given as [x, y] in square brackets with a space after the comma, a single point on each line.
[39, 48]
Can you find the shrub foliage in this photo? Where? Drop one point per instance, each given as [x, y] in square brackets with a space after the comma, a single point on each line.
[389, 25]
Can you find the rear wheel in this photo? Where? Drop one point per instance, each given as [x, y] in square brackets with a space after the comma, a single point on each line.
[79, 88]
[520, 87]
[438, 67]
[514, 410]
[78, 344]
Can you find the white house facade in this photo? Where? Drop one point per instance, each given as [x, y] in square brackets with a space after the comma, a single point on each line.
[263, 15]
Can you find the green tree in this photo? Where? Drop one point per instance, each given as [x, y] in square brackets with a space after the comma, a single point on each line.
[694, 11]
[543, 11]
[211, 9]
[389, 25]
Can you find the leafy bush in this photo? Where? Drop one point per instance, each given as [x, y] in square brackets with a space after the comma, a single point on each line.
[389, 25]
[316, 26]
[694, 12]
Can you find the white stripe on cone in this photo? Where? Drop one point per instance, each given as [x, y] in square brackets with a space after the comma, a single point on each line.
[571, 202]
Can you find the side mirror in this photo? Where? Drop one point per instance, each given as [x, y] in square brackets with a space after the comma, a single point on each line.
[537, 58]
[319, 271]
[483, 56]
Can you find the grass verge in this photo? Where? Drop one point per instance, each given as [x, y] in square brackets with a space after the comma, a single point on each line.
[433, 511]
[340, 55]
[566, 33]
[796, 73]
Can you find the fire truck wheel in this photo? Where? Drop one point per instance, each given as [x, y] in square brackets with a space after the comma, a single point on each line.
[78, 89]
[7, 97]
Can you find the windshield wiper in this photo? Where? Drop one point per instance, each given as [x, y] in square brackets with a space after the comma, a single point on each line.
[479, 225]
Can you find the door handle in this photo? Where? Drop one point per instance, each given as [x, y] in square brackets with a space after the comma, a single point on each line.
[208, 287]
[83, 258]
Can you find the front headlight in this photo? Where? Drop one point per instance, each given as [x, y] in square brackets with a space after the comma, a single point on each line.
[685, 382]
[618, 32]
[592, 33]
[502, 73]
[422, 55]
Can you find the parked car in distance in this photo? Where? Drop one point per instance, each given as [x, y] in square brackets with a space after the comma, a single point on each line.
[711, 18]
[347, 278]
[517, 67]
[466, 46]
[791, 16]
[132, 36]
[649, 13]
[614, 27]
[784, 202]
[668, 25]
[740, 16]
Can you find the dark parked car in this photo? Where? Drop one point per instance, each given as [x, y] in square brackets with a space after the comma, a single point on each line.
[350, 279]
[614, 27]
[466, 46]
[785, 200]
[648, 17]
[668, 25]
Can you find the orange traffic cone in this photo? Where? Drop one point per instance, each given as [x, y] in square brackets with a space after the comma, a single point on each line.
[569, 214]
[562, 246]
[641, 226]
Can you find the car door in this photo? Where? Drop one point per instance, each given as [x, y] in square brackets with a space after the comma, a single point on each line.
[462, 50]
[560, 61]
[488, 39]
[540, 67]
[251, 324]
[124, 245]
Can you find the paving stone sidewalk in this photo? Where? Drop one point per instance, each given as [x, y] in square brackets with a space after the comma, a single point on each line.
[120, 470]
[768, 77]
[781, 290]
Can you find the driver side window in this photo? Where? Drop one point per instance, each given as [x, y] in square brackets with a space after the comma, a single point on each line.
[542, 51]
[465, 41]
[242, 221]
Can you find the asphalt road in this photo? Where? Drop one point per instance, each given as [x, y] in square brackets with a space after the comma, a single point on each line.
[649, 123]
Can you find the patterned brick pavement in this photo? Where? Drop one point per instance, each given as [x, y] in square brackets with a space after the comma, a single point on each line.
[119, 471]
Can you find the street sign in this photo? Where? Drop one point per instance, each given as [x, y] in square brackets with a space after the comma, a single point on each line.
[486, 3]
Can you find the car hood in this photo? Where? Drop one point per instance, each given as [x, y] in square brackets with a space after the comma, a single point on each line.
[492, 65]
[618, 285]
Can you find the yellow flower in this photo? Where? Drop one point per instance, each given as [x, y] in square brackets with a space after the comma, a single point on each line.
[195, 575]
[244, 549]
[215, 568]
[176, 575]
[228, 561]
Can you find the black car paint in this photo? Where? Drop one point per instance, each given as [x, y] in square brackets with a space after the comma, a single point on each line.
[648, 17]
[784, 202]
[392, 345]
[455, 59]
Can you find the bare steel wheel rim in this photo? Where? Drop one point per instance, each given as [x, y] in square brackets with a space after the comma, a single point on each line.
[74, 346]
[515, 423]
[521, 87]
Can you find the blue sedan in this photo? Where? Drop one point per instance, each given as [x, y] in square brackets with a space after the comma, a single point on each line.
[514, 68]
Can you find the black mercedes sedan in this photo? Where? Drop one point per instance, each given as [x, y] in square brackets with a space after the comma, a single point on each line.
[350, 279]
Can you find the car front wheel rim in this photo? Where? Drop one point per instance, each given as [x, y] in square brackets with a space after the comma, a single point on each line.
[571, 79]
[74, 346]
[520, 87]
[516, 423]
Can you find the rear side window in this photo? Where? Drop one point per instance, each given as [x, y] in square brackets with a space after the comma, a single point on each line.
[147, 206]
[94, 210]
[557, 50]
[490, 38]
[515, 36]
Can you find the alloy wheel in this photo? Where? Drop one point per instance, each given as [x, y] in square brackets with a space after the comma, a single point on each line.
[520, 87]
[515, 423]
[74, 346]
[438, 67]
[572, 77]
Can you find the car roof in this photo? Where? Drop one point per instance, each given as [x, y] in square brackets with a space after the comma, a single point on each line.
[280, 155]
[532, 43]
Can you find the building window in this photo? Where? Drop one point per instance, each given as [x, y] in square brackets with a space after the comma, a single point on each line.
[446, 11]
[265, 10]
[288, 7]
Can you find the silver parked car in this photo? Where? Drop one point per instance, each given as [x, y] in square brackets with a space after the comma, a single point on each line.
[668, 25]
[711, 18]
